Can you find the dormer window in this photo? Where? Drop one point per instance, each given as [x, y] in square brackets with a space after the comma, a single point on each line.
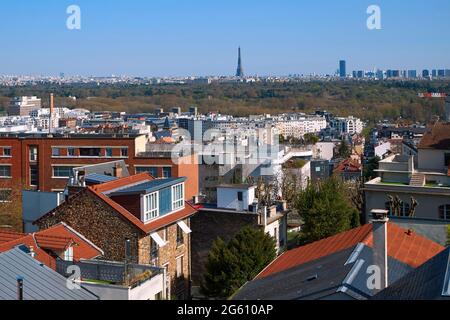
[150, 206]
[177, 196]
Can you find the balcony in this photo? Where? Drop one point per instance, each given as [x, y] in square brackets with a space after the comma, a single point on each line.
[115, 281]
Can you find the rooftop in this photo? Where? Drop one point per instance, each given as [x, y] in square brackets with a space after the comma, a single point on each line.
[409, 248]
[148, 186]
[438, 137]
[40, 282]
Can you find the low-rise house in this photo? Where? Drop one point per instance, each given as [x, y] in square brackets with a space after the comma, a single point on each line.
[25, 278]
[150, 213]
[416, 188]
[349, 169]
[236, 208]
[337, 268]
[59, 242]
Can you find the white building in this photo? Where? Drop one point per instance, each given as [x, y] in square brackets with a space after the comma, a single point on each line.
[349, 125]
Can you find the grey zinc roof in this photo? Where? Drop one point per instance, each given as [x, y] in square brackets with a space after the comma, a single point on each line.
[99, 178]
[430, 281]
[39, 281]
[325, 278]
[148, 187]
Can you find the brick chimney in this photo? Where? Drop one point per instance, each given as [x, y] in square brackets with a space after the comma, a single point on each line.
[380, 257]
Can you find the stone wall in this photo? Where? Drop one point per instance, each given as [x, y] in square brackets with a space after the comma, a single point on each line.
[98, 222]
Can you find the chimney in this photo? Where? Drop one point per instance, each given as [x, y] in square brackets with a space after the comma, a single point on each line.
[19, 288]
[118, 171]
[380, 257]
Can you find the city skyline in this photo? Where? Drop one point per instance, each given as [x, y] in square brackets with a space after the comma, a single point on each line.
[172, 39]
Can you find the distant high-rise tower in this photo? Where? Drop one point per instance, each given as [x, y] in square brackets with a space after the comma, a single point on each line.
[240, 69]
[342, 69]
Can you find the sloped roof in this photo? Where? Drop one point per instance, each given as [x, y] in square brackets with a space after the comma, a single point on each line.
[323, 278]
[428, 282]
[30, 242]
[409, 248]
[349, 165]
[40, 282]
[438, 137]
[101, 191]
[84, 249]
[7, 236]
[149, 186]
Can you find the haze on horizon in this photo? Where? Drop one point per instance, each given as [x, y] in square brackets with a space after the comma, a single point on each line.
[181, 38]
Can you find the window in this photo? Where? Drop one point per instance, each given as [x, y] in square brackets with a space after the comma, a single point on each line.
[5, 195]
[444, 212]
[180, 267]
[240, 196]
[167, 172]
[180, 236]
[90, 152]
[124, 152]
[5, 171]
[56, 152]
[177, 197]
[7, 151]
[33, 153]
[62, 172]
[150, 206]
[34, 176]
[71, 152]
[164, 232]
[68, 254]
[152, 170]
[109, 152]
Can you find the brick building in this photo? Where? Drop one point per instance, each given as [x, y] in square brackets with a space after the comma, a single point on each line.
[44, 162]
[151, 213]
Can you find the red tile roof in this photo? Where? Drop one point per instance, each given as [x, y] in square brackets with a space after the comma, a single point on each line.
[437, 137]
[30, 242]
[7, 236]
[408, 248]
[101, 189]
[83, 248]
[349, 165]
[57, 238]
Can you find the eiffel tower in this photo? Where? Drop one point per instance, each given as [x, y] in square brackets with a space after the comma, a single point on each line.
[240, 69]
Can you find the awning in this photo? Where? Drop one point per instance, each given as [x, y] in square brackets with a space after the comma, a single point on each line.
[155, 236]
[184, 227]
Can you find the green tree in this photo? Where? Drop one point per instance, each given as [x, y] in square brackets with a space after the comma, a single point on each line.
[326, 210]
[230, 265]
[370, 167]
[311, 139]
[344, 150]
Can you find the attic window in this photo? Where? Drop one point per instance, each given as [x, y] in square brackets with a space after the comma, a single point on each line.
[151, 206]
[177, 196]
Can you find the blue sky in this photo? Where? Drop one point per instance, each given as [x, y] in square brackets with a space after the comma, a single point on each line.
[200, 37]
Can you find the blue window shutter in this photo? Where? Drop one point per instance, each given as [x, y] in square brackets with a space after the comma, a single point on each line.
[165, 201]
